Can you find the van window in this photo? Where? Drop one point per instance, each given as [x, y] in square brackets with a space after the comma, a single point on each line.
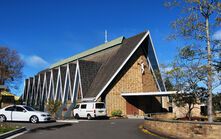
[83, 106]
[99, 105]
[77, 106]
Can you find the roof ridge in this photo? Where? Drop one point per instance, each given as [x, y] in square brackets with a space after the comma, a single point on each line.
[89, 52]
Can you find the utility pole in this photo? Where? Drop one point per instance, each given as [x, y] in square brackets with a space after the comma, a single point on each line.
[105, 36]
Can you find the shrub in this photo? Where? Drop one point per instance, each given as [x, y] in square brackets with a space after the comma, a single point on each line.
[53, 107]
[116, 113]
[217, 119]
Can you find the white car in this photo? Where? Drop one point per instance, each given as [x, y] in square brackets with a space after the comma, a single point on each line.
[23, 113]
[90, 110]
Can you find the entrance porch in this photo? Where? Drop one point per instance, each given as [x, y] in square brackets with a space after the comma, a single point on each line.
[146, 102]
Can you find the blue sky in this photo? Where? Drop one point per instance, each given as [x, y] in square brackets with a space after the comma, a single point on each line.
[45, 31]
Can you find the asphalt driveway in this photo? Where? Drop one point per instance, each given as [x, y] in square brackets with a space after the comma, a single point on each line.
[95, 129]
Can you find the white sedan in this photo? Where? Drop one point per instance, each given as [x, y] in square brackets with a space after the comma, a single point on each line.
[23, 113]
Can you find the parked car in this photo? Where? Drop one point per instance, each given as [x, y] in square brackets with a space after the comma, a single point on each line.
[23, 113]
[90, 110]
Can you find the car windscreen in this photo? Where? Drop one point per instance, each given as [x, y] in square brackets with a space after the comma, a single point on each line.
[76, 107]
[29, 108]
[99, 105]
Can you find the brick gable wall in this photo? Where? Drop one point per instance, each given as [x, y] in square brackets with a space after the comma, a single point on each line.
[130, 79]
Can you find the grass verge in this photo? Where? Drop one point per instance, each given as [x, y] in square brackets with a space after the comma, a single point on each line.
[5, 127]
[145, 131]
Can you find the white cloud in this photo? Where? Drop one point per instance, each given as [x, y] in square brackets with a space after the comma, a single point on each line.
[168, 69]
[35, 61]
[217, 35]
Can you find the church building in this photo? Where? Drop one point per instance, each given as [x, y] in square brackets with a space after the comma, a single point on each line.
[124, 73]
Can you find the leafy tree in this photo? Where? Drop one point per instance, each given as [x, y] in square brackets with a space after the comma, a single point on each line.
[10, 67]
[187, 75]
[189, 99]
[200, 19]
[169, 86]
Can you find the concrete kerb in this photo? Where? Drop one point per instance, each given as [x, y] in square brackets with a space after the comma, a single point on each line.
[23, 130]
[135, 117]
[50, 127]
[12, 133]
[67, 121]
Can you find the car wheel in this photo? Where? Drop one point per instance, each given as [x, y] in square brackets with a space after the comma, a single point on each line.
[76, 116]
[89, 117]
[34, 119]
[2, 118]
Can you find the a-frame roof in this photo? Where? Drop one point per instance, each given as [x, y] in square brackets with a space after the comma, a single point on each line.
[99, 66]
[109, 68]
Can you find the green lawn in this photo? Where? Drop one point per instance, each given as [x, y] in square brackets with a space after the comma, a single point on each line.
[6, 127]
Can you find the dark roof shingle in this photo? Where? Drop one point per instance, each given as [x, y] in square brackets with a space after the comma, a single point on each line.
[108, 69]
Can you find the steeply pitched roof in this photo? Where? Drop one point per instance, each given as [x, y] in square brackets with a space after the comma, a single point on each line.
[90, 65]
[88, 71]
[99, 66]
[108, 69]
[90, 52]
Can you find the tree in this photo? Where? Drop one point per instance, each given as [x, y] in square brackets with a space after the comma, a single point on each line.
[189, 99]
[217, 102]
[187, 75]
[53, 107]
[200, 19]
[10, 67]
[169, 86]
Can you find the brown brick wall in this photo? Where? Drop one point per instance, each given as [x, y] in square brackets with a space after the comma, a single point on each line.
[148, 81]
[182, 111]
[167, 115]
[130, 80]
[185, 130]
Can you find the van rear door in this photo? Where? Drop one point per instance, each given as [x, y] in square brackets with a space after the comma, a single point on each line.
[100, 109]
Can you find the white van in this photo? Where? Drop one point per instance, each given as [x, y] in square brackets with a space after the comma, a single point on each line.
[89, 110]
